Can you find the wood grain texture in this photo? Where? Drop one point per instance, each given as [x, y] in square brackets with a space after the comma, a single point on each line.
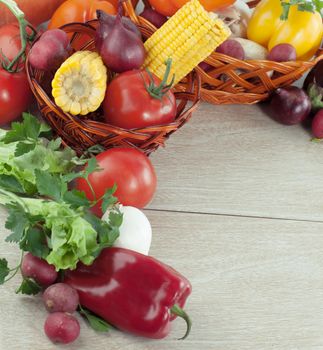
[236, 160]
[257, 285]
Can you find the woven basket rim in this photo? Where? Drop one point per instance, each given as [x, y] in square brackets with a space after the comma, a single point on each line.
[186, 91]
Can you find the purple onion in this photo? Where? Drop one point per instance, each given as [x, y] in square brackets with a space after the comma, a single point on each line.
[290, 105]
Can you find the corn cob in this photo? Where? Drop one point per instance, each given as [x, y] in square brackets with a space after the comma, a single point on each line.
[80, 83]
[188, 38]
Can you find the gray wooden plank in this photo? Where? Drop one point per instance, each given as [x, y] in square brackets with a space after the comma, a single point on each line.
[236, 160]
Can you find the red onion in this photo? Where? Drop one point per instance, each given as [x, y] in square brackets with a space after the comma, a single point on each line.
[290, 105]
[106, 24]
[154, 17]
[122, 49]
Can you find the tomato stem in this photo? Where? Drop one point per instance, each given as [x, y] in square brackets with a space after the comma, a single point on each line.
[158, 91]
[23, 25]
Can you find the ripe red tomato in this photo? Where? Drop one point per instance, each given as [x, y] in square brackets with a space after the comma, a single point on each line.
[15, 95]
[129, 105]
[130, 170]
[36, 11]
[10, 43]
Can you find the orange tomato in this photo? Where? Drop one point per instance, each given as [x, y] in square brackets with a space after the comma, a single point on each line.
[169, 7]
[79, 11]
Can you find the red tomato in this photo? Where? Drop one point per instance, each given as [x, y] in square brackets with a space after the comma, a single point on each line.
[129, 105]
[130, 170]
[15, 95]
[36, 11]
[10, 43]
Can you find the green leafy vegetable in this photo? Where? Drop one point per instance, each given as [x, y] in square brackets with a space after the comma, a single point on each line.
[30, 129]
[23, 150]
[96, 323]
[34, 241]
[50, 185]
[17, 221]
[4, 270]
[29, 287]
[76, 199]
[10, 183]
[44, 216]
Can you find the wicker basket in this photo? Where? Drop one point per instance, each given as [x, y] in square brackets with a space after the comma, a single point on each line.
[81, 133]
[247, 82]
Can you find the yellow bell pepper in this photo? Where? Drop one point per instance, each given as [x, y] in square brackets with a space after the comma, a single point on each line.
[302, 29]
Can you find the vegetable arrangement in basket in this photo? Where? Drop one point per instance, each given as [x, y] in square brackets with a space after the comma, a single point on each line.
[156, 108]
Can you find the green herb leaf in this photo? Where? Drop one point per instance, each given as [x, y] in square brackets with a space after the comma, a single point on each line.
[10, 183]
[96, 322]
[76, 199]
[55, 145]
[24, 147]
[29, 287]
[115, 218]
[92, 166]
[17, 221]
[107, 234]
[34, 241]
[50, 185]
[4, 270]
[108, 198]
[30, 128]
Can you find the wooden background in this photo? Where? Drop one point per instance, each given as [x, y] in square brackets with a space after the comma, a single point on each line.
[239, 211]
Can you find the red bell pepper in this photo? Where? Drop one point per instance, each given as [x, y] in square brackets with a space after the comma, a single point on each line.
[133, 292]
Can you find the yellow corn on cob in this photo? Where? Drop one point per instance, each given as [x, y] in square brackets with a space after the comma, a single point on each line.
[80, 83]
[188, 38]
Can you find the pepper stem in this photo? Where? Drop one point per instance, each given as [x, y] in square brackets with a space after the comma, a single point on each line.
[158, 91]
[23, 24]
[178, 311]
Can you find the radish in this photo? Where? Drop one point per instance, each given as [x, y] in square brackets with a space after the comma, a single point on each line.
[38, 269]
[62, 328]
[61, 297]
[317, 125]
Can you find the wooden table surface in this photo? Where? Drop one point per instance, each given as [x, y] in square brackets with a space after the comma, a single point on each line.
[239, 211]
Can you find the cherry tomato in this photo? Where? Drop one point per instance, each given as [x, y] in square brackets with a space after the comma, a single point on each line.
[169, 7]
[15, 95]
[130, 170]
[129, 105]
[79, 11]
